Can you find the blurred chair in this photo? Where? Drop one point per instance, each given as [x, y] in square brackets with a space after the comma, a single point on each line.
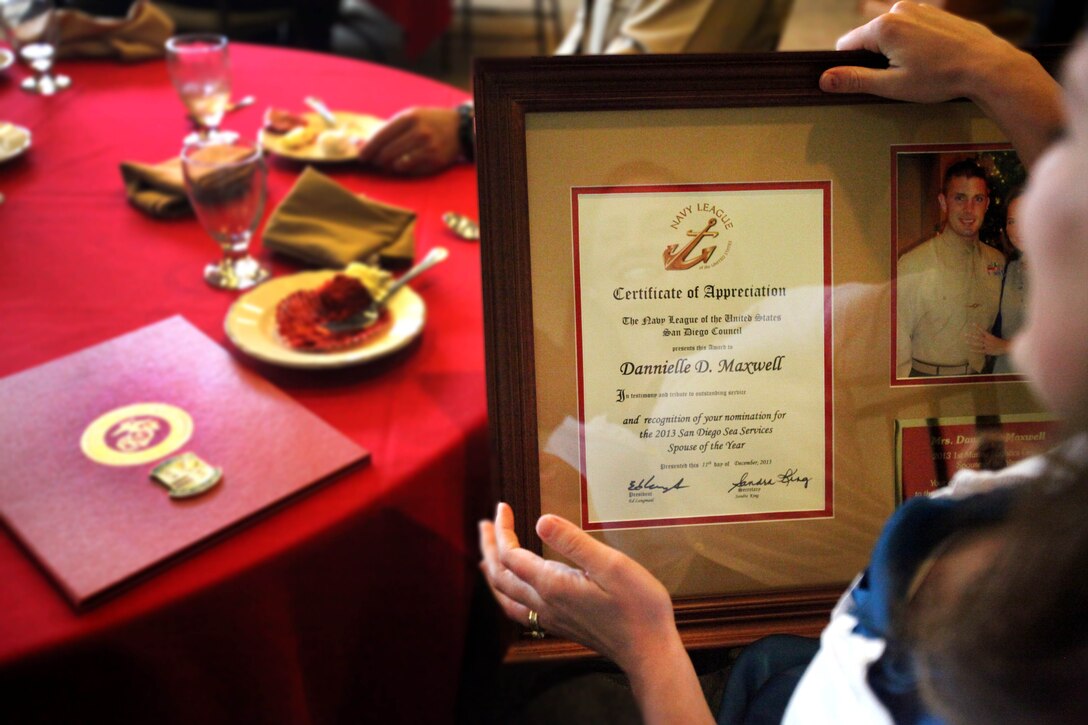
[286, 22]
[363, 30]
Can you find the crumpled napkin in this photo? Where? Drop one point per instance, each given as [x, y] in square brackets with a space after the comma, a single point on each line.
[140, 35]
[322, 223]
[157, 189]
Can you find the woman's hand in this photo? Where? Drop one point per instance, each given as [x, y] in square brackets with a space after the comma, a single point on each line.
[415, 142]
[611, 603]
[981, 341]
[936, 56]
[607, 601]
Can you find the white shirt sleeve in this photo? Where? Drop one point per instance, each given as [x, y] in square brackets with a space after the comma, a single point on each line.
[833, 689]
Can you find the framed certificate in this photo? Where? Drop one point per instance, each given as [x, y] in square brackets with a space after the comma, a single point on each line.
[688, 265]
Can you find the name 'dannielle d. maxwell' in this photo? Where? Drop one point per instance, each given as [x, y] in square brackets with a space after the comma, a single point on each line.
[683, 366]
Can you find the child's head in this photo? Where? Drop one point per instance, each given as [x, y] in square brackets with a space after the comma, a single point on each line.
[1052, 349]
[996, 628]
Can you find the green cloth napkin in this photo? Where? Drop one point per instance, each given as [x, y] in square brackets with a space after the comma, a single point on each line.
[322, 223]
[157, 189]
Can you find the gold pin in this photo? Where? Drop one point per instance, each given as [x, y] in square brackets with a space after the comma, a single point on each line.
[186, 475]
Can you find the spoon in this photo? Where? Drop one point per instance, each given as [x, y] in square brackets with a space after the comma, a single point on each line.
[321, 109]
[241, 103]
[462, 226]
[367, 317]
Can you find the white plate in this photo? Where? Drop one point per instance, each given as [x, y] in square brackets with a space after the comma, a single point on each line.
[10, 153]
[251, 325]
[356, 124]
[6, 59]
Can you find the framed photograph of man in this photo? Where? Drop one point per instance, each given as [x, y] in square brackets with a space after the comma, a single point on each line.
[957, 279]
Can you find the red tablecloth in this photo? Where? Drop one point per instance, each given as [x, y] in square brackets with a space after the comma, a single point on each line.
[350, 603]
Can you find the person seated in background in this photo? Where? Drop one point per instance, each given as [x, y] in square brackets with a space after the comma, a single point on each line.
[676, 26]
[942, 560]
[425, 140]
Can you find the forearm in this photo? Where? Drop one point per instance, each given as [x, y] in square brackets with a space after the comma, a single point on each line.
[1021, 97]
[666, 687]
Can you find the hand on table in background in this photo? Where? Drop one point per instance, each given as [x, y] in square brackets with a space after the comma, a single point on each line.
[936, 56]
[415, 142]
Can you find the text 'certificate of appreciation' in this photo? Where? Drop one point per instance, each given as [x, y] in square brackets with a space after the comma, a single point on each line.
[704, 354]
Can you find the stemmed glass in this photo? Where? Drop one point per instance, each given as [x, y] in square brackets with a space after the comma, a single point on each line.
[199, 66]
[32, 30]
[226, 182]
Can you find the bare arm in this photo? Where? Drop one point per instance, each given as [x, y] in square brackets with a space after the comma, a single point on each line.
[936, 56]
[611, 604]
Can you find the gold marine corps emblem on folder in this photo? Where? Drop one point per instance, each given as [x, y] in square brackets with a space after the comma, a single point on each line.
[144, 432]
[137, 433]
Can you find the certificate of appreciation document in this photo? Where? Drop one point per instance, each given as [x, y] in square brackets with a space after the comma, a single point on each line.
[704, 358]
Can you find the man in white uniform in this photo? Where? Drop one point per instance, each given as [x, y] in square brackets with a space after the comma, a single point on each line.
[949, 285]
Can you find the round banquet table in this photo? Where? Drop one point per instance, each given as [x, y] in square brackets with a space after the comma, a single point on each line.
[347, 605]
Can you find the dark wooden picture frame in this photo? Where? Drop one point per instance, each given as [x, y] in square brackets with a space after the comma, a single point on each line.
[506, 91]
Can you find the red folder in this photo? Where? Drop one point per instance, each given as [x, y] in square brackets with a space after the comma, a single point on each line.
[76, 486]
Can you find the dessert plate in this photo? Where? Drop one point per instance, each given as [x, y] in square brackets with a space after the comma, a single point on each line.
[354, 124]
[251, 325]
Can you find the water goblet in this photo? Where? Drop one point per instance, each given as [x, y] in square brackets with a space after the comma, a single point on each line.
[199, 66]
[32, 30]
[226, 180]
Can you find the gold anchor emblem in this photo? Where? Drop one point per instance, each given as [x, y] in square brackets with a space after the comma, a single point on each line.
[679, 260]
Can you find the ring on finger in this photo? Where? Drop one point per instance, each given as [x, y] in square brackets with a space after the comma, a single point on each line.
[535, 630]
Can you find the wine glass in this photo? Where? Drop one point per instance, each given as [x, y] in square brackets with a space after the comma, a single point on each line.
[199, 66]
[226, 182]
[32, 30]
